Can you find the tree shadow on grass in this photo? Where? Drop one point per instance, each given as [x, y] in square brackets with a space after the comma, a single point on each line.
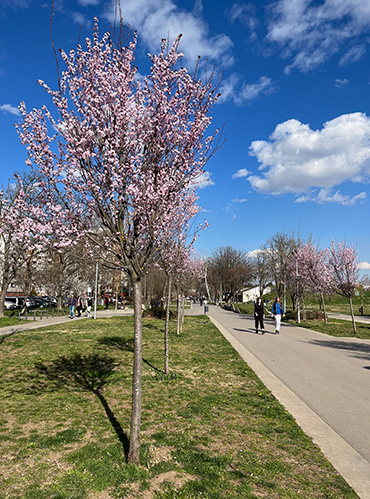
[5, 336]
[125, 345]
[91, 372]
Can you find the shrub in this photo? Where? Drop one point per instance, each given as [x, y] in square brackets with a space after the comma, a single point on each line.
[157, 313]
[311, 315]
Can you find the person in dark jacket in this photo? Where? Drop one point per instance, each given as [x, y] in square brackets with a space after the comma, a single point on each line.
[72, 302]
[79, 305]
[259, 315]
[277, 312]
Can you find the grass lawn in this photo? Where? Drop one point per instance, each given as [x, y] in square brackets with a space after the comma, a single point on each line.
[209, 430]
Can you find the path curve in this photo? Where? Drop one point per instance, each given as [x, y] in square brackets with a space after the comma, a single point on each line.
[321, 380]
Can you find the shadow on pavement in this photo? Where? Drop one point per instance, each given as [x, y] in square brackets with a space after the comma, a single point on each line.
[358, 350]
[252, 331]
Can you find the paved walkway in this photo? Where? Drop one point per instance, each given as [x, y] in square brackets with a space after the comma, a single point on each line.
[364, 319]
[322, 381]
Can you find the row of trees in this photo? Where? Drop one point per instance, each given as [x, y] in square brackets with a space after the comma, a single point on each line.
[111, 179]
[113, 170]
[293, 267]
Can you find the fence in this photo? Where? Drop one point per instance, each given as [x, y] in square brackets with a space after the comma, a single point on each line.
[42, 314]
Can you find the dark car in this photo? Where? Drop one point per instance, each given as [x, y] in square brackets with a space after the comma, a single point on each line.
[50, 300]
[38, 301]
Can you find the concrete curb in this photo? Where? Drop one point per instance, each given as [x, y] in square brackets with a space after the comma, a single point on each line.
[345, 459]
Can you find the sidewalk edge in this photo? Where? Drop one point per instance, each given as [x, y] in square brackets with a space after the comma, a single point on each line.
[345, 459]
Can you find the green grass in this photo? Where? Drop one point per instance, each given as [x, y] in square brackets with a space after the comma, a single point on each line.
[209, 430]
[335, 303]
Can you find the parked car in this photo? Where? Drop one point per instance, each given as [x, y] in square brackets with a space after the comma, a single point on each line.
[40, 302]
[9, 305]
[36, 302]
[50, 300]
[17, 301]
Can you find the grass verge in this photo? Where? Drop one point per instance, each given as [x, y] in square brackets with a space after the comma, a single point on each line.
[209, 430]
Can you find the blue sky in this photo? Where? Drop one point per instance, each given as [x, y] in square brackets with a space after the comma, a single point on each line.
[295, 105]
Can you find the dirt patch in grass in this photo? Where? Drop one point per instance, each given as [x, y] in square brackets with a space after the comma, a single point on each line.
[160, 454]
[175, 479]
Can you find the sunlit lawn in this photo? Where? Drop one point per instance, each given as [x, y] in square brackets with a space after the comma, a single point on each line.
[210, 429]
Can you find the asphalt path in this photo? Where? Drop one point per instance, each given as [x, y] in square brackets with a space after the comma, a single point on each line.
[322, 381]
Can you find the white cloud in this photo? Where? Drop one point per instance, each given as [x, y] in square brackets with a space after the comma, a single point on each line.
[86, 3]
[204, 180]
[354, 54]
[243, 172]
[297, 158]
[79, 18]
[9, 109]
[326, 196]
[339, 83]
[363, 266]
[245, 13]
[311, 32]
[157, 19]
[15, 3]
[254, 253]
[247, 92]
[228, 88]
[251, 91]
[237, 200]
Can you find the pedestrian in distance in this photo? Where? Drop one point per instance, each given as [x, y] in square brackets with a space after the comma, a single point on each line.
[106, 302]
[79, 305]
[72, 302]
[89, 306]
[259, 315]
[277, 312]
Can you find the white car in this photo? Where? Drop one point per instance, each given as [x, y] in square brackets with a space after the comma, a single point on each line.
[9, 305]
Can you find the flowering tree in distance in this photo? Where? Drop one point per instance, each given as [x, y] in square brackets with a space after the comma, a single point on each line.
[125, 154]
[315, 275]
[343, 261]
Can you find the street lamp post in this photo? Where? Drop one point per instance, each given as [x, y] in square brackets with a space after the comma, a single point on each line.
[96, 289]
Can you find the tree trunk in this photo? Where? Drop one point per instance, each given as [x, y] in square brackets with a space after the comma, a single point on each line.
[178, 313]
[324, 309]
[61, 268]
[352, 315]
[182, 311]
[166, 327]
[4, 287]
[206, 283]
[27, 281]
[304, 309]
[134, 449]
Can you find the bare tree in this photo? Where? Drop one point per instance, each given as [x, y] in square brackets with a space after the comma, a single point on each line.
[230, 270]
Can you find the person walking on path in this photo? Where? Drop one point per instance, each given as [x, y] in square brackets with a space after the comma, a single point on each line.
[89, 306]
[277, 312]
[259, 315]
[72, 302]
[80, 305]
